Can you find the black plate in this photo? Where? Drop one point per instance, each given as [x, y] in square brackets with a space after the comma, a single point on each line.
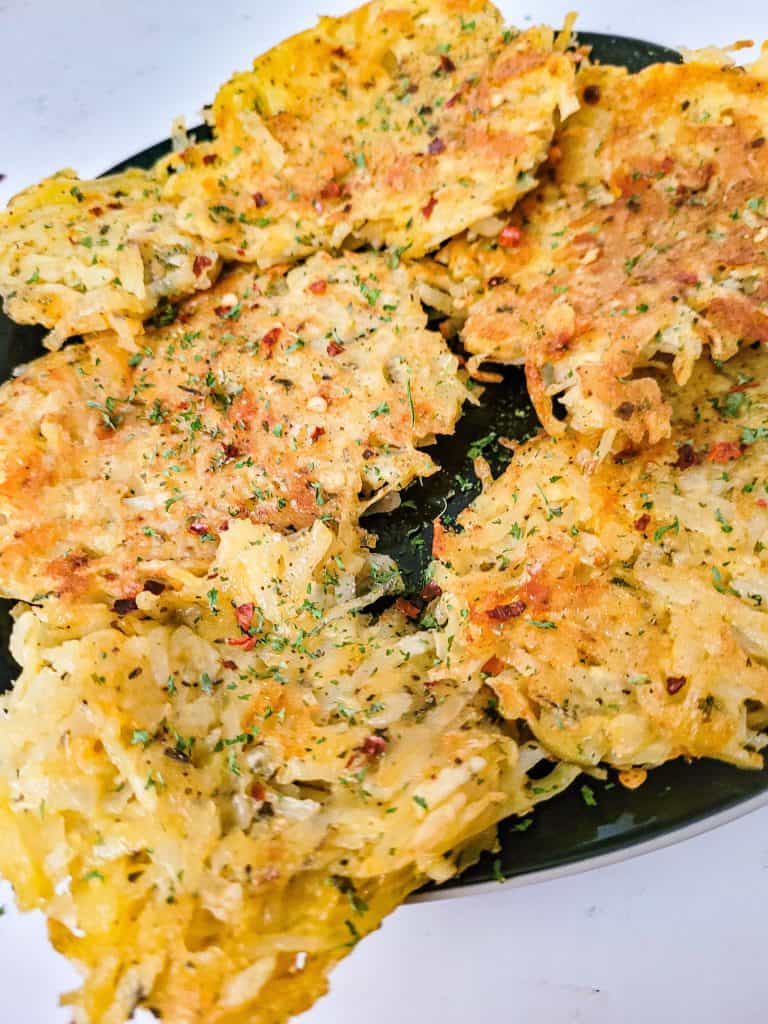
[566, 831]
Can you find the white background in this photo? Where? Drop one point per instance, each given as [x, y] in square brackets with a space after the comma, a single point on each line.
[672, 937]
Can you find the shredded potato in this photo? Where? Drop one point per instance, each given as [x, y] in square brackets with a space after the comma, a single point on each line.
[79, 256]
[620, 609]
[397, 125]
[279, 398]
[648, 242]
[215, 796]
[451, 116]
[229, 754]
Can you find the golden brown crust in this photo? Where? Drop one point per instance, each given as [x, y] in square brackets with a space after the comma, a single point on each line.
[620, 608]
[395, 125]
[649, 242]
[398, 124]
[80, 256]
[210, 825]
[280, 398]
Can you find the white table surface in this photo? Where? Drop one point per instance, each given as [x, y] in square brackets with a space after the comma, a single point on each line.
[672, 937]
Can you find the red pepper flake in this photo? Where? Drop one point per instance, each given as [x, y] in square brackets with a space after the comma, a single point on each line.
[154, 586]
[123, 605]
[454, 99]
[317, 433]
[743, 387]
[762, 503]
[223, 527]
[200, 264]
[246, 642]
[244, 616]
[687, 456]
[430, 591]
[257, 791]
[493, 667]
[373, 746]
[446, 64]
[318, 287]
[536, 592]
[641, 524]
[259, 200]
[96, 211]
[408, 609]
[505, 612]
[724, 451]
[675, 684]
[115, 206]
[559, 342]
[436, 147]
[686, 277]
[496, 281]
[231, 450]
[332, 190]
[510, 237]
[334, 349]
[339, 51]
[209, 158]
[427, 210]
[231, 665]
[199, 528]
[269, 341]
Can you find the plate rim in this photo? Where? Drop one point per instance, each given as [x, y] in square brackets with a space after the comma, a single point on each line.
[629, 851]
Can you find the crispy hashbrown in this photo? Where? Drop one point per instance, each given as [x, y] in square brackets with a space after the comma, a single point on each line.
[621, 610]
[649, 243]
[392, 125]
[280, 398]
[79, 256]
[214, 797]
